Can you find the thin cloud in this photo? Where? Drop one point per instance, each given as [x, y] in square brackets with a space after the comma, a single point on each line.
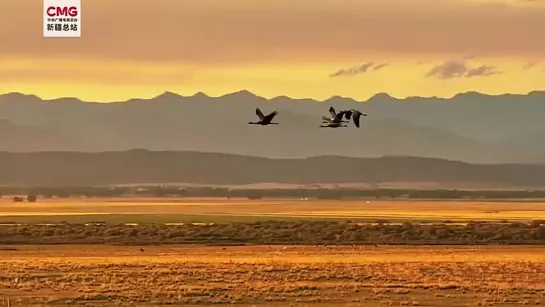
[529, 65]
[380, 66]
[459, 68]
[448, 70]
[356, 70]
[352, 71]
[470, 57]
[482, 71]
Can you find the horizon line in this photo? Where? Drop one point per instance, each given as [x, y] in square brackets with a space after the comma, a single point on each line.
[387, 156]
[249, 93]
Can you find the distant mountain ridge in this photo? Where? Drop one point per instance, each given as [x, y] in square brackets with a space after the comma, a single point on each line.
[159, 167]
[470, 127]
[27, 137]
[241, 94]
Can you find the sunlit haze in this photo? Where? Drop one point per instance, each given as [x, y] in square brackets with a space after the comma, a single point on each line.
[304, 48]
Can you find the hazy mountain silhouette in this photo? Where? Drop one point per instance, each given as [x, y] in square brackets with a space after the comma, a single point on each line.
[471, 127]
[530, 142]
[23, 138]
[146, 167]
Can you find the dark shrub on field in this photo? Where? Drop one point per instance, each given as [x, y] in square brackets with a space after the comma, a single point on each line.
[276, 232]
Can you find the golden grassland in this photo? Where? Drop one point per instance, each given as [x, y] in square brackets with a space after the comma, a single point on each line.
[211, 210]
[273, 276]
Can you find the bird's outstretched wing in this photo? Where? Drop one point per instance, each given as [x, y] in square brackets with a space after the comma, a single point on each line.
[259, 113]
[356, 118]
[332, 112]
[272, 114]
[347, 114]
[339, 117]
[267, 119]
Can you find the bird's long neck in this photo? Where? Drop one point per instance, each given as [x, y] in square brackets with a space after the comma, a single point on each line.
[253, 123]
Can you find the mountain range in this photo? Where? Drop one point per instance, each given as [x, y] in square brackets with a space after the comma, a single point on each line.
[140, 166]
[470, 127]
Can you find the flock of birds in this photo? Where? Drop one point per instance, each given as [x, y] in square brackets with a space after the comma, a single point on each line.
[335, 120]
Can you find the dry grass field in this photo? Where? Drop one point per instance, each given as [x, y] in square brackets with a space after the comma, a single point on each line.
[214, 210]
[276, 275]
[272, 276]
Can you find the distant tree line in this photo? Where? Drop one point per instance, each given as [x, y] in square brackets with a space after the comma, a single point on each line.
[168, 191]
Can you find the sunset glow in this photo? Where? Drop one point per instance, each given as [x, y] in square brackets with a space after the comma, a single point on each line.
[314, 49]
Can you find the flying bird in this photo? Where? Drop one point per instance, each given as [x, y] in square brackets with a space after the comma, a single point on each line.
[336, 122]
[334, 113]
[264, 120]
[355, 114]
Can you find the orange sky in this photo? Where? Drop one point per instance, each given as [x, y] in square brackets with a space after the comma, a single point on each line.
[302, 48]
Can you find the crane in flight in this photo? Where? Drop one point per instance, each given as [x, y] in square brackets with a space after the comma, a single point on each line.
[334, 113]
[337, 120]
[355, 114]
[264, 120]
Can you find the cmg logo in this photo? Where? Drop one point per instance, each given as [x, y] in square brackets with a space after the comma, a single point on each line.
[61, 18]
[54, 11]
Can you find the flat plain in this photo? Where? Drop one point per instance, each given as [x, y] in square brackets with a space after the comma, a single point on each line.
[269, 275]
[172, 210]
[273, 276]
